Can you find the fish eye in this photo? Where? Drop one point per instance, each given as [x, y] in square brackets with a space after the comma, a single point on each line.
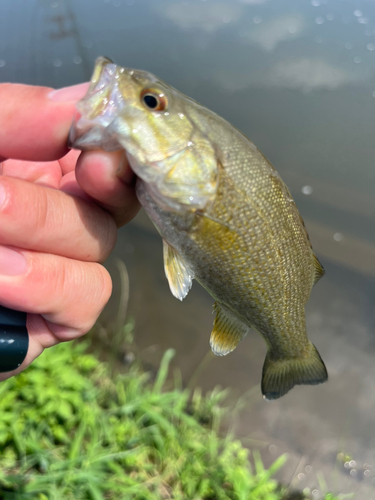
[156, 101]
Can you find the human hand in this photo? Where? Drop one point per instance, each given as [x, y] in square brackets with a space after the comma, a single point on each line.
[58, 216]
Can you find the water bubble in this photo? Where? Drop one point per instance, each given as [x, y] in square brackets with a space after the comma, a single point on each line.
[353, 472]
[307, 190]
[370, 46]
[357, 59]
[128, 358]
[346, 464]
[257, 19]
[362, 20]
[352, 463]
[77, 60]
[2, 63]
[308, 468]
[57, 63]
[319, 20]
[315, 493]
[292, 30]
[339, 237]
[367, 472]
[348, 45]
[87, 45]
[315, 3]
[272, 448]
[301, 476]
[357, 13]
[330, 17]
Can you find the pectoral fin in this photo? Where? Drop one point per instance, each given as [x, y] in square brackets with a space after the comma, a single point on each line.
[178, 272]
[228, 331]
[281, 375]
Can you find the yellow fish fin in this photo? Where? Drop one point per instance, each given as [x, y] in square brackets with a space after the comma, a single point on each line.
[281, 375]
[228, 331]
[319, 270]
[178, 272]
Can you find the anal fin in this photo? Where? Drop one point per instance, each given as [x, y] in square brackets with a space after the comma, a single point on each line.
[179, 274]
[281, 375]
[228, 331]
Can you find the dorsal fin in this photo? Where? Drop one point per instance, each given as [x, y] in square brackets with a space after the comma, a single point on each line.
[319, 270]
[178, 272]
[228, 331]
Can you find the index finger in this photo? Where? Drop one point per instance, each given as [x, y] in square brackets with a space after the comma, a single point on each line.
[35, 121]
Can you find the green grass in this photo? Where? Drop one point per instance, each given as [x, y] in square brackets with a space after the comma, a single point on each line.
[69, 430]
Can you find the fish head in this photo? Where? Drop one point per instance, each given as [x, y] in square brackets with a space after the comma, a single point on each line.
[135, 111]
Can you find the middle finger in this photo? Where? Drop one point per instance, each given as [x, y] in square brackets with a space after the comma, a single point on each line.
[43, 219]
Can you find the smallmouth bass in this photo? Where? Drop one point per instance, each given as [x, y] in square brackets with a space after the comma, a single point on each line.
[225, 216]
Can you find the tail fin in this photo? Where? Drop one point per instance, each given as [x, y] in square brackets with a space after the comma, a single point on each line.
[281, 375]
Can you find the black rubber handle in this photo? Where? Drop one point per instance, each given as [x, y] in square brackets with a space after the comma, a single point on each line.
[14, 339]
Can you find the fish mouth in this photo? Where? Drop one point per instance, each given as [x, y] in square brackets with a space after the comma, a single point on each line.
[95, 113]
[85, 136]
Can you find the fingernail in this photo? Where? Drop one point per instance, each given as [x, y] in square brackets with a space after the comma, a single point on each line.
[12, 262]
[66, 94]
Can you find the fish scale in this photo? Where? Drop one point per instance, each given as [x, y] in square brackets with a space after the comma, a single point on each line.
[225, 216]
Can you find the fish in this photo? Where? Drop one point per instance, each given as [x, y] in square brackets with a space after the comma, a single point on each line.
[225, 216]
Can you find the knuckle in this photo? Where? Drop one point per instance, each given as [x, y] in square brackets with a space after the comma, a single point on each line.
[41, 212]
[25, 205]
[8, 197]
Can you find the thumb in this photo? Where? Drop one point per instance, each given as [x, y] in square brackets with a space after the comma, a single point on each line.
[35, 121]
